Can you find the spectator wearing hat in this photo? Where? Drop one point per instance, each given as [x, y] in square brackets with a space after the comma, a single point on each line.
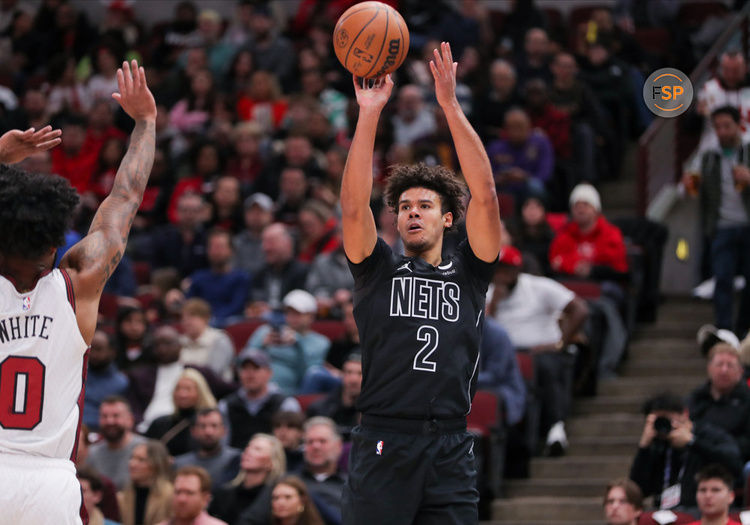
[724, 399]
[249, 410]
[248, 255]
[222, 287]
[291, 346]
[588, 246]
[542, 317]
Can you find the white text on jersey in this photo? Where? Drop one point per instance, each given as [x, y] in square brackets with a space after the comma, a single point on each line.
[424, 298]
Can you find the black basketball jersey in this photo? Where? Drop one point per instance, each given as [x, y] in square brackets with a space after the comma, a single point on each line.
[420, 328]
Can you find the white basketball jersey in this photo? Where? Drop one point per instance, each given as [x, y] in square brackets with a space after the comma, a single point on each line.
[42, 369]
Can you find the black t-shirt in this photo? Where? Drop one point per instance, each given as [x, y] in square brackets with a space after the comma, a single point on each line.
[420, 328]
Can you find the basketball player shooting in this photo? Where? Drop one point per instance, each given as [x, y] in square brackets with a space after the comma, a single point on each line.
[419, 317]
[48, 316]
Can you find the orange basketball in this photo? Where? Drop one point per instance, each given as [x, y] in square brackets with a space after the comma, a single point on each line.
[371, 39]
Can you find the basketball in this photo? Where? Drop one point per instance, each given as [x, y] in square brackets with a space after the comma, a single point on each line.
[371, 39]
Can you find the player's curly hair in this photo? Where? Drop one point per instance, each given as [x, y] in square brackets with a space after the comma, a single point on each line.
[436, 178]
[35, 212]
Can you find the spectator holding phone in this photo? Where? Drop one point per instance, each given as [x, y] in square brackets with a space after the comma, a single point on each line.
[672, 449]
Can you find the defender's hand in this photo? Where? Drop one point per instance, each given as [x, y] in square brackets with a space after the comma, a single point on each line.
[444, 71]
[373, 96]
[134, 96]
[16, 145]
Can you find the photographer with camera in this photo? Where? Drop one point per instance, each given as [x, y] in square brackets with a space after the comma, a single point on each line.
[672, 450]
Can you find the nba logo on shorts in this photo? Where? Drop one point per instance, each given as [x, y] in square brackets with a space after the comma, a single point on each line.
[379, 448]
[26, 304]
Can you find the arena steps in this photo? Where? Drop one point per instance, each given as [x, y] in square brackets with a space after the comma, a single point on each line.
[604, 430]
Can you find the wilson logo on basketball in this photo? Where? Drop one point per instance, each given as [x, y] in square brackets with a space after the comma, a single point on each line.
[342, 38]
[393, 48]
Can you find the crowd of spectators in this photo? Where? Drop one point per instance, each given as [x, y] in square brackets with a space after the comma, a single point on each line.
[239, 227]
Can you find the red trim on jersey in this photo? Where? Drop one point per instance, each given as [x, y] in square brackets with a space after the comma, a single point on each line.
[69, 289]
[80, 405]
[82, 512]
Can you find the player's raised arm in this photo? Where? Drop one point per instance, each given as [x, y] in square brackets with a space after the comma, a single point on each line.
[16, 145]
[95, 257]
[357, 222]
[482, 214]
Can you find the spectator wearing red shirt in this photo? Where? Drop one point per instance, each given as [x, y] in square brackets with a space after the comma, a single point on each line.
[589, 245]
[75, 160]
[263, 103]
[714, 495]
[545, 116]
[318, 229]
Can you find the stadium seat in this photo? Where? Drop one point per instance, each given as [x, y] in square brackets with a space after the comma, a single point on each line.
[695, 13]
[305, 400]
[681, 517]
[583, 289]
[486, 421]
[330, 328]
[653, 40]
[507, 204]
[240, 332]
[533, 412]
[142, 271]
[108, 306]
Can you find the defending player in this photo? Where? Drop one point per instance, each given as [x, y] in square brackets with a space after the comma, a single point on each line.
[419, 319]
[48, 316]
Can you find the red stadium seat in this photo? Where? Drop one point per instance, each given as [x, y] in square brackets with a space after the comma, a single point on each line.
[108, 306]
[142, 271]
[305, 400]
[583, 289]
[507, 203]
[526, 365]
[240, 332]
[681, 517]
[333, 330]
[486, 421]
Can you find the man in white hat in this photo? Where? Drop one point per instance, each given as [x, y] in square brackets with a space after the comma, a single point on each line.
[589, 245]
[292, 347]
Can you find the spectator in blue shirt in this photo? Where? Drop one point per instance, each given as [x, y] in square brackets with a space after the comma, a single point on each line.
[499, 372]
[103, 379]
[221, 286]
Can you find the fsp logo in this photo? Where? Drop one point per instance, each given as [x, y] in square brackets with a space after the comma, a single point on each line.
[668, 92]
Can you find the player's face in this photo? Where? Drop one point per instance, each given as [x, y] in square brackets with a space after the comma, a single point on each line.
[185, 393]
[209, 430]
[714, 497]
[189, 500]
[114, 420]
[140, 467]
[257, 456]
[322, 449]
[420, 219]
[618, 509]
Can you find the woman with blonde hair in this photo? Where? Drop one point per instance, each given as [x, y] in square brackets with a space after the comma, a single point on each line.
[191, 394]
[147, 498]
[291, 504]
[262, 463]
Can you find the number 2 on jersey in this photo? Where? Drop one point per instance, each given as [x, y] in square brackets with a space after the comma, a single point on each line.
[21, 392]
[429, 336]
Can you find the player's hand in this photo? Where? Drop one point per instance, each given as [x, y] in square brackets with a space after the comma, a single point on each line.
[444, 71]
[16, 145]
[134, 96]
[373, 94]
